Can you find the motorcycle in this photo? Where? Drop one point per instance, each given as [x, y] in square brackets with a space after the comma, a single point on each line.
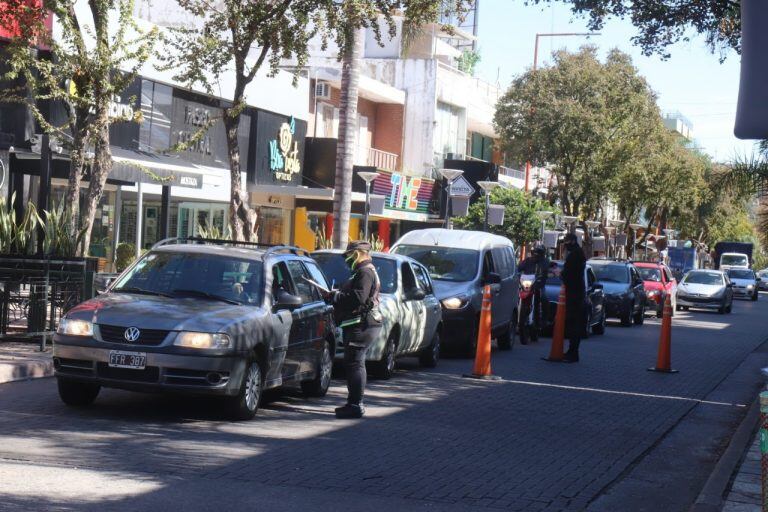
[526, 319]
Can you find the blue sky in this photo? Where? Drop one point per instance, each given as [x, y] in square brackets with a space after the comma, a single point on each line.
[692, 81]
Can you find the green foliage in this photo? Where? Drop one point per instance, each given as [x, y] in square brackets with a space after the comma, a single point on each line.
[125, 254]
[377, 244]
[17, 235]
[467, 61]
[322, 240]
[213, 232]
[59, 240]
[662, 23]
[521, 225]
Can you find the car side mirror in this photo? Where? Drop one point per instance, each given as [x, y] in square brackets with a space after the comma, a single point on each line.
[729, 285]
[758, 279]
[416, 294]
[492, 278]
[287, 301]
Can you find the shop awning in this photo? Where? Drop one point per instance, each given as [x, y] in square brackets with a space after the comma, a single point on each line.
[138, 166]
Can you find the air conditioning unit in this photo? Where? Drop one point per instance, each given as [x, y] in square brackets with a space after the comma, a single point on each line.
[322, 91]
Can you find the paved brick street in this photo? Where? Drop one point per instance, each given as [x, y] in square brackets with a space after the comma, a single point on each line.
[604, 434]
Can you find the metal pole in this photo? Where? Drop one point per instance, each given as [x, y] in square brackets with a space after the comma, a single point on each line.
[139, 218]
[764, 448]
[367, 206]
[487, 206]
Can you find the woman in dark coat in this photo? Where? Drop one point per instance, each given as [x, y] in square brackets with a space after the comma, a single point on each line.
[575, 296]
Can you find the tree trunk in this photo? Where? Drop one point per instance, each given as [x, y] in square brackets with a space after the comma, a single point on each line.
[76, 167]
[242, 218]
[345, 149]
[102, 166]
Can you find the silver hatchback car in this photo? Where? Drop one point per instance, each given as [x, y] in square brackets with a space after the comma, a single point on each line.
[412, 313]
[223, 319]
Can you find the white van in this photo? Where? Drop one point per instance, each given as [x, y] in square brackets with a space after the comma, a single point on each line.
[460, 264]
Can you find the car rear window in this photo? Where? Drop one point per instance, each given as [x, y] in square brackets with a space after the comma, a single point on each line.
[178, 273]
[338, 272]
[611, 273]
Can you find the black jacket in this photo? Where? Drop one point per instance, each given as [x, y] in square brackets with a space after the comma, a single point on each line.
[537, 267]
[359, 294]
[575, 293]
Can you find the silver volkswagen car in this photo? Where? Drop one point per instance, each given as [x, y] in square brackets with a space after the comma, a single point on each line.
[224, 319]
[412, 313]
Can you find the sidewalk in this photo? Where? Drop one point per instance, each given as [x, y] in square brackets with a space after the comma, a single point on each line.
[744, 493]
[20, 361]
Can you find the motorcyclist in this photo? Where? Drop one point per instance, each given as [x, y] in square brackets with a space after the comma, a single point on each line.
[537, 264]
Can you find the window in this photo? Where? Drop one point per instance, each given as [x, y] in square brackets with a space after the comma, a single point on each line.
[650, 274]
[306, 291]
[423, 278]
[512, 260]
[488, 265]
[317, 276]
[409, 280]
[272, 224]
[710, 278]
[447, 120]
[590, 277]
[281, 280]
[180, 274]
[444, 263]
[612, 273]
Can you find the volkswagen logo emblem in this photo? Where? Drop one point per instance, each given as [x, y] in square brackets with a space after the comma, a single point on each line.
[132, 334]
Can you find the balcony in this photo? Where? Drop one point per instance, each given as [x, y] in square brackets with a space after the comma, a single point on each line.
[382, 159]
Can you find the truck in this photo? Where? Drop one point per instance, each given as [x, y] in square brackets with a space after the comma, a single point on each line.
[733, 255]
[681, 260]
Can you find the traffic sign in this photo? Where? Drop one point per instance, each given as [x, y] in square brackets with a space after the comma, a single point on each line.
[461, 188]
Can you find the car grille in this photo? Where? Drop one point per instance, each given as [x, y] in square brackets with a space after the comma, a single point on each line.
[148, 374]
[73, 366]
[702, 300]
[116, 334]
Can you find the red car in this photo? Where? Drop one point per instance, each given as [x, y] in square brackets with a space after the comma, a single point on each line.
[658, 283]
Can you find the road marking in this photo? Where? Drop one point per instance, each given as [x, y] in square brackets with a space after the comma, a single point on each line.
[624, 393]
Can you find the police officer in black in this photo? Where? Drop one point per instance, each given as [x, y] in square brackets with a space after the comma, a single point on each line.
[356, 306]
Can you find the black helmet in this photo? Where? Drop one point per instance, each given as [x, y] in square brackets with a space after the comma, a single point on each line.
[539, 250]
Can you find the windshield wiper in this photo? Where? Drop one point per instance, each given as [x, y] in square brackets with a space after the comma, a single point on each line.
[212, 296]
[609, 280]
[142, 291]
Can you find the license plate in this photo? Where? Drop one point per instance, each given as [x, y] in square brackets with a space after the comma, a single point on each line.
[134, 360]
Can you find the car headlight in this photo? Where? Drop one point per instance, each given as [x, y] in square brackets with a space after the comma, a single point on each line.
[654, 293]
[526, 283]
[75, 327]
[202, 340]
[750, 287]
[454, 302]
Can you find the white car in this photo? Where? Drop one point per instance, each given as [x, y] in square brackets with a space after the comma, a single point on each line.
[745, 283]
[763, 282]
[705, 289]
[412, 313]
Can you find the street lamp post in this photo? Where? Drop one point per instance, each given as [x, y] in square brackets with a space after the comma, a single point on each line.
[569, 221]
[535, 65]
[367, 177]
[487, 187]
[450, 175]
[616, 223]
[543, 216]
[635, 227]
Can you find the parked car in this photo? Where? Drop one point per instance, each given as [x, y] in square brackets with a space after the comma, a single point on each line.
[625, 296]
[460, 264]
[595, 310]
[658, 283]
[412, 313]
[706, 289]
[763, 282]
[222, 319]
[745, 283]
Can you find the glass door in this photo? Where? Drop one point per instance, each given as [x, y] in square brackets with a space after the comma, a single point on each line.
[193, 216]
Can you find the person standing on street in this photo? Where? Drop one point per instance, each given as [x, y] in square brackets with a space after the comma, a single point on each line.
[537, 264]
[575, 296]
[356, 306]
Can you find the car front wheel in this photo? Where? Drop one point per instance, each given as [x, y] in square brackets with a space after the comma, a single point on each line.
[245, 405]
[385, 367]
[626, 317]
[640, 316]
[507, 340]
[599, 328]
[318, 387]
[77, 394]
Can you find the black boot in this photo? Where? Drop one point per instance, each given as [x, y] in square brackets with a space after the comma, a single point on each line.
[350, 411]
[572, 356]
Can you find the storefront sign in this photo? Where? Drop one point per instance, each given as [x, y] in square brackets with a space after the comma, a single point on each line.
[284, 153]
[407, 194]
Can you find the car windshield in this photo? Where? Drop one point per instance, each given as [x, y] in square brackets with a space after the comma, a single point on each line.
[207, 276]
[336, 269]
[734, 259]
[740, 274]
[553, 275]
[444, 263]
[709, 278]
[611, 273]
[650, 274]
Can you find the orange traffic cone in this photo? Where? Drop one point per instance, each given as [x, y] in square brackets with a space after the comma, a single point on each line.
[482, 367]
[556, 354]
[664, 359]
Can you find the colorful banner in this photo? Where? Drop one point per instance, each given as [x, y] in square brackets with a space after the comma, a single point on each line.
[410, 194]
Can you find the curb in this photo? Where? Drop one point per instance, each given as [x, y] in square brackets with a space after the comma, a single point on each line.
[711, 496]
[25, 370]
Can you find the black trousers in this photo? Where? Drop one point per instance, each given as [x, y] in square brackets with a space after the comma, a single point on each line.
[357, 339]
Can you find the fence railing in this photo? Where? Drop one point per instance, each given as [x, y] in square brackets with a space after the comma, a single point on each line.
[382, 159]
